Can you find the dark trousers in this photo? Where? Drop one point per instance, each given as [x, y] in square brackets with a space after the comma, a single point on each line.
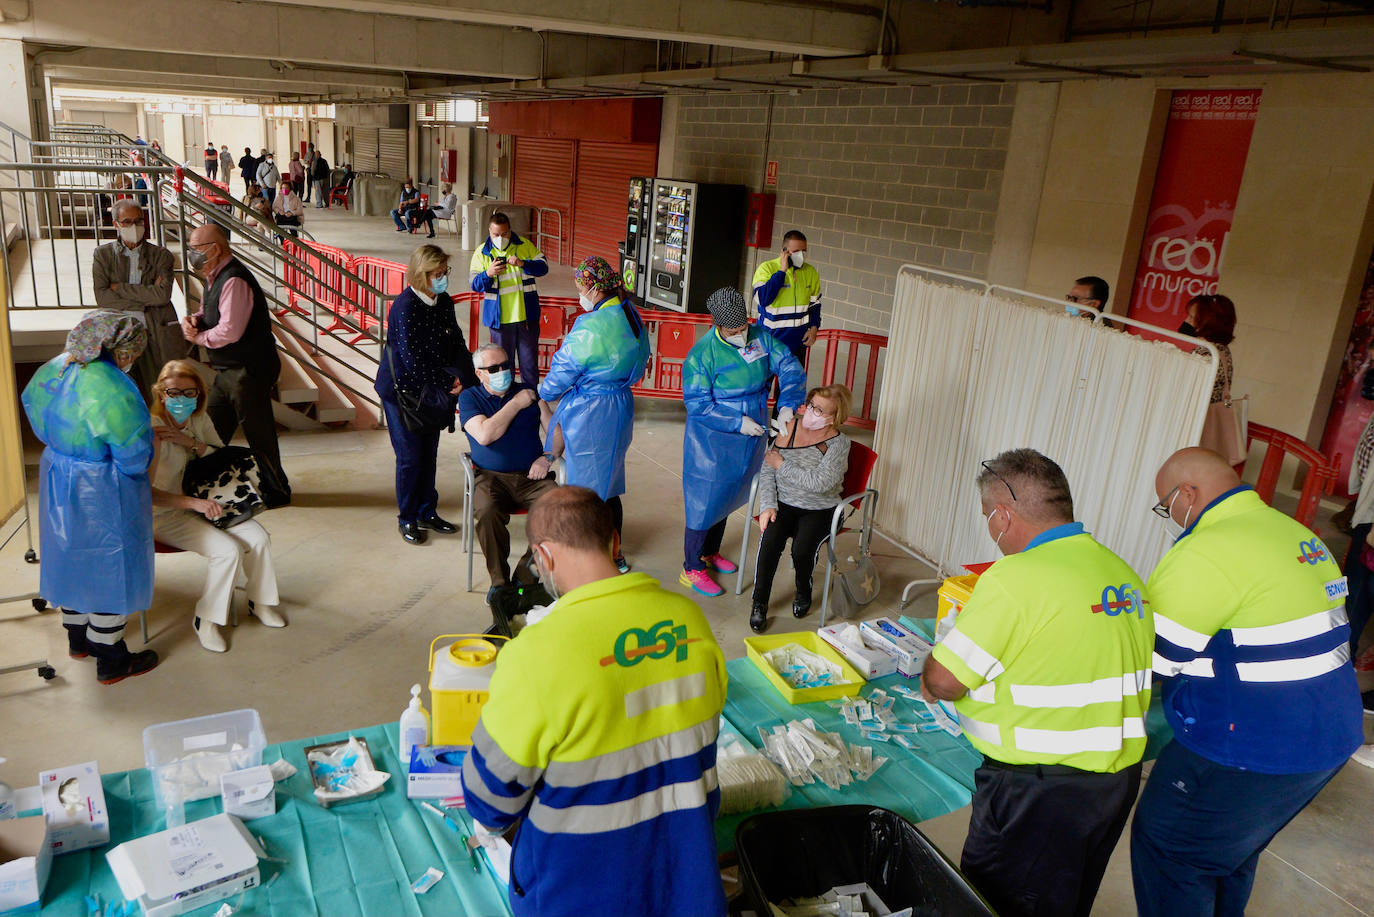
[1039, 838]
[807, 528]
[417, 455]
[699, 543]
[1200, 828]
[522, 344]
[240, 399]
[247, 182]
[497, 494]
[305, 190]
[1360, 578]
[211, 168]
[270, 194]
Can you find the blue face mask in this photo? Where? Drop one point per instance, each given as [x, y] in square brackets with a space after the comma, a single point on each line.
[181, 407]
[440, 285]
[499, 381]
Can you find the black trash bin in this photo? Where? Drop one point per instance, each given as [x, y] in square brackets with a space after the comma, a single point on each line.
[807, 852]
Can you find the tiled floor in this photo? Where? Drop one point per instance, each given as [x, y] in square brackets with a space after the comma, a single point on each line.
[363, 607]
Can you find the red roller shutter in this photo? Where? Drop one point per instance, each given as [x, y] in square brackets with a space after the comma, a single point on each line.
[604, 171]
[543, 178]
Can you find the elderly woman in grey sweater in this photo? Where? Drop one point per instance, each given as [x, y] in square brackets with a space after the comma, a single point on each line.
[799, 486]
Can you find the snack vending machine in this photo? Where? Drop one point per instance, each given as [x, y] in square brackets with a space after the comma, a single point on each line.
[634, 251]
[696, 243]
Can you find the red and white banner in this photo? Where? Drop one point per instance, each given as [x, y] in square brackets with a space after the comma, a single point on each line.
[1205, 145]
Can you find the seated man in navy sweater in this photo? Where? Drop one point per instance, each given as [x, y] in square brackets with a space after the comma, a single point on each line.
[501, 419]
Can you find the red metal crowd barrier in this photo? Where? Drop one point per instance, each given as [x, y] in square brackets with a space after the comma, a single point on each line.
[671, 334]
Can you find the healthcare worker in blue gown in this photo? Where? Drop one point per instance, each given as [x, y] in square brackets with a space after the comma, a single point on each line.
[601, 358]
[95, 503]
[725, 382]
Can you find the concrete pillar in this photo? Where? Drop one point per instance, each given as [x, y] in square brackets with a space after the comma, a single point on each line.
[24, 109]
[1018, 207]
[412, 143]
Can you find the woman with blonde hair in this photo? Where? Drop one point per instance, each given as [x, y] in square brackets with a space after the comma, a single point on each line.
[799, 486]
[425, 358]
[184, 431]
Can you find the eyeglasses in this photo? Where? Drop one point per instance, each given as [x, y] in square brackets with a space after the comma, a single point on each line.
[1076, 299]
[496, 367]
[811, 405]
[1002, 479]
[181, 392]
[1161, 509]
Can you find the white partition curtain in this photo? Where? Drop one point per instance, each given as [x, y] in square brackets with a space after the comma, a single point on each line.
[974, 371]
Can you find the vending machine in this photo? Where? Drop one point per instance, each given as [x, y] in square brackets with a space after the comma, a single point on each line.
[696, 243]
[634, 251]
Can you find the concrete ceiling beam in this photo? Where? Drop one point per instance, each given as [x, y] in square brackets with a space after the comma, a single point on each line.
[119, 62]
[324, 38]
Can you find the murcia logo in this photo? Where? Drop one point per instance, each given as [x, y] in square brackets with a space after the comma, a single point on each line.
[1311, 552]
[1116, 599]
[663, 639]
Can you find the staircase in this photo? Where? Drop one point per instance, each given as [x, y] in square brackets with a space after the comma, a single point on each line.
[54, 199]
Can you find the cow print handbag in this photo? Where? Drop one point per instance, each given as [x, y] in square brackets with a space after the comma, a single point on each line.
[229, 476]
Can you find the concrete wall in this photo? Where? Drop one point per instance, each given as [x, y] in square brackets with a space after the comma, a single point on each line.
[236, 132]
[1301, 235]
[875, 178]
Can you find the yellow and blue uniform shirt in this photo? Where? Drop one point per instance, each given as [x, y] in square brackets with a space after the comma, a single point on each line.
[512, 297]
[600, 733]
[1054, 646]
[1253, 641]
[788, 302]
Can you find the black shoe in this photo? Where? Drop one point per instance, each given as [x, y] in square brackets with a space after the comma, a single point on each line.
[758, 618]
[435, 524]
[77, 647]
[430, 236]
[412, 533]
[1367, 699]
[801, 606]
[272, 501]
[115, 663]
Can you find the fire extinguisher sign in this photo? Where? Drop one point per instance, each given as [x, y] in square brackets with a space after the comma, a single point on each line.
[770, 175]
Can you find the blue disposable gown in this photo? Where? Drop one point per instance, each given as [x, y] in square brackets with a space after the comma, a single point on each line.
[601, 358]
[95, 506]
[720, 386]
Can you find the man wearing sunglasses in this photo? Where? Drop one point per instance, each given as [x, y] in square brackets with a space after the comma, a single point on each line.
[1253, 649]
[501, 418]
[1048, 665]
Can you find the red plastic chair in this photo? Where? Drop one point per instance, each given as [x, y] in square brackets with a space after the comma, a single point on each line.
[857, 497]
[340, 194]
[410, 214]
[1322, 472]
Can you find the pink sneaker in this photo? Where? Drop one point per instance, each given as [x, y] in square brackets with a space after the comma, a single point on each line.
[700, 581]
[721, 563]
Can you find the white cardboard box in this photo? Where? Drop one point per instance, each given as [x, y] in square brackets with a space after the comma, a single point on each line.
[870, 663]
[181, 869]
[908, 648]
[25, 859]
[442, 780]
[249, 793]
[83, 822]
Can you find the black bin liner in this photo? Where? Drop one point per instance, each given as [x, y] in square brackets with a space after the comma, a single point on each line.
[806, 852]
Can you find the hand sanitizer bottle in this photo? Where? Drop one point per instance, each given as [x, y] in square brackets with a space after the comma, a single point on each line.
[414, 727]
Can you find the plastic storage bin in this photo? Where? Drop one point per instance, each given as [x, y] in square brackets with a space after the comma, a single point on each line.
[953, 594]
[190, 755]
[807, 640]
[805, 852]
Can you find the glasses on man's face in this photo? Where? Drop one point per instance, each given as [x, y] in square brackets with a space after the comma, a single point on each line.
[182, 392]
[1075, 299]
[496, 367]
[1002, 479]
[136, 221]
[1161, 509]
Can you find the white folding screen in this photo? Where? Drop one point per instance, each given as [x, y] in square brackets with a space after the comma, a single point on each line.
[973, 372]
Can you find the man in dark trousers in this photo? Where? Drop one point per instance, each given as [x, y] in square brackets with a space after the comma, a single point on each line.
[248, 168]
[235, 328]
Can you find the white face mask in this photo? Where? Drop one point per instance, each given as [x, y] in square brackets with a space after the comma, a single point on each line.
[798, 259]
[545, 577]
[499, 242]
[1175, 530]
[131, 234]
[998, 542]
[736, 340]
[585, 302]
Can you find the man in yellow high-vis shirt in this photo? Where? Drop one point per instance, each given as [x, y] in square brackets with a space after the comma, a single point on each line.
[1049, 668]
[599, 734]
[787, 295]
[503, 271]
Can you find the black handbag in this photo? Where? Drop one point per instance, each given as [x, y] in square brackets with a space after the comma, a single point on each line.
[228, 476]
[425, 408]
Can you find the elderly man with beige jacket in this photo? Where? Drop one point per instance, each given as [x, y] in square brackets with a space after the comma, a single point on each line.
[132, 274]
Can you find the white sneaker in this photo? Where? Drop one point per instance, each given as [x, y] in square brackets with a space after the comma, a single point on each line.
[1364, 755]
[267, 614]
[210, 636]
